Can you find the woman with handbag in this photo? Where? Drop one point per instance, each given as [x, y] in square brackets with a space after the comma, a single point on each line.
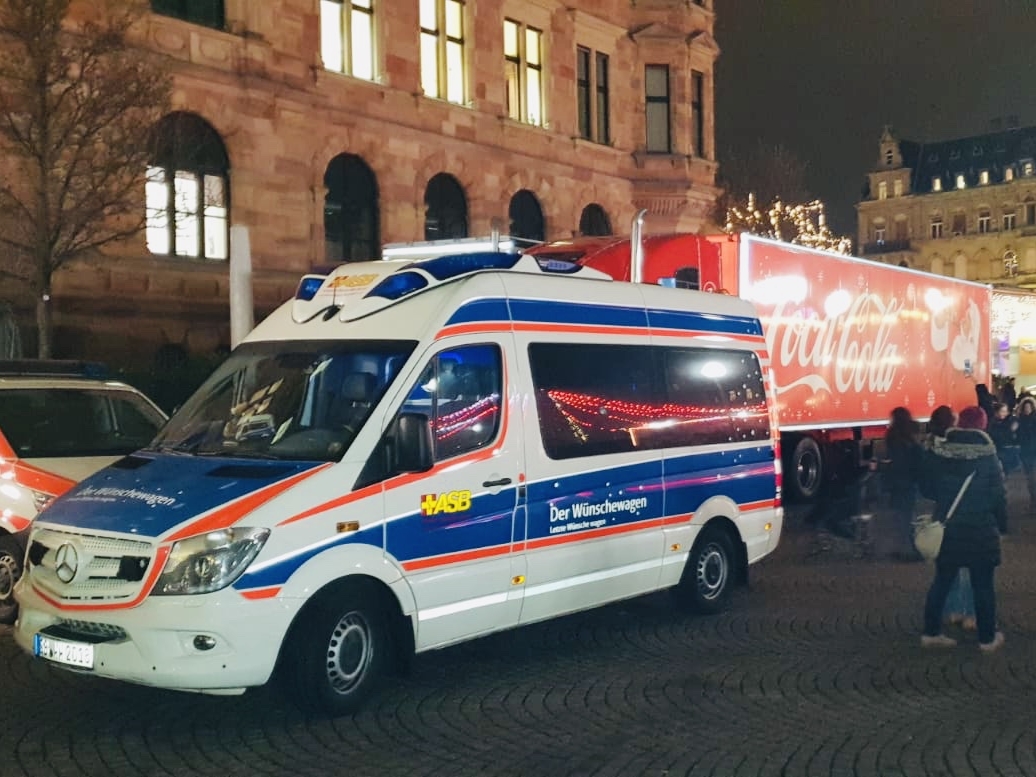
[964, 477]
[960, 605]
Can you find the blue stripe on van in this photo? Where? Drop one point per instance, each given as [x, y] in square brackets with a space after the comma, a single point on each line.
[480, 310]
[546, 312]
[732, 325]
[744, 475]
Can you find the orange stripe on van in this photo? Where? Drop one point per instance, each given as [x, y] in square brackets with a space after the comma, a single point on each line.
[456, 558]
[262, 593]
[235, 511]
[33, 477]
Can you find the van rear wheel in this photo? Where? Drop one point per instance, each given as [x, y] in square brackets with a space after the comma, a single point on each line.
[708, 576]
[338, 652]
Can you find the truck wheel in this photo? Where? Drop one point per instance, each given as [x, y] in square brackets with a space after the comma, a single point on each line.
[705, 584]
[12, 556]
[339, 650]
[805, 471]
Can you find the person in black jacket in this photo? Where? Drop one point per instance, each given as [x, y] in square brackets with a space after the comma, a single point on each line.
[904, 450]
[1025, 435]
[972, 533]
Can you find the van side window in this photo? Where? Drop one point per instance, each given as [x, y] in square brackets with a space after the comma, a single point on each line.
[460, 391]
[598, 399]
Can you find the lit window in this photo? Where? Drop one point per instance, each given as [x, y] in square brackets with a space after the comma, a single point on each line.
[937, 184]
[879, 234]
[936, 228]
[983, 177]
[897, 187]
[883, 190]
[523, 65]
[1027, 169]
[185, 190]
[592, 95]
[1008, 220]
[1008, 173]
[347, 37]
[656, 95]
[985, 222]
[442, 49]
[960, 181]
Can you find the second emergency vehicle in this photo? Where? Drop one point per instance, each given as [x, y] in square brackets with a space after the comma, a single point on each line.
[409, 455]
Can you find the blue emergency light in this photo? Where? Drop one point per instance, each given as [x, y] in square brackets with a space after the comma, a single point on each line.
[309, 286]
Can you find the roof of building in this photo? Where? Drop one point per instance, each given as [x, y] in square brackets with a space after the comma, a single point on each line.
[993, 152]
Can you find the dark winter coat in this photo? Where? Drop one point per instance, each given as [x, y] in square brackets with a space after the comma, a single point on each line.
[1025, 434]
[903, 470]
[972, 534]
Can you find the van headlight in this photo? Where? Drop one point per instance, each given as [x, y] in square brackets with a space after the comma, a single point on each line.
[209, 562]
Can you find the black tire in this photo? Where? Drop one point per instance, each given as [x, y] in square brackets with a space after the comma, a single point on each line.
[12, 558]
[805, 471]
[339, 650]
[709, 574]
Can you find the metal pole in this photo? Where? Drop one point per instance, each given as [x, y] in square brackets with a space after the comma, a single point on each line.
[637, 248]
[242, 315]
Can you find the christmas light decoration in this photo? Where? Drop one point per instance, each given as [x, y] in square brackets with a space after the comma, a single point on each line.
[803, 224]
[1009, 309]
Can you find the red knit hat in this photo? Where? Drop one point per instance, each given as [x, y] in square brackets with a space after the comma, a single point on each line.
[973, 417]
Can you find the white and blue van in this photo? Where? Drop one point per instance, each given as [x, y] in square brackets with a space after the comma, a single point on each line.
[412, 454]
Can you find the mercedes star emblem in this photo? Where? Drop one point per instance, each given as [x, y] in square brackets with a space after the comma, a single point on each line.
[66, 562]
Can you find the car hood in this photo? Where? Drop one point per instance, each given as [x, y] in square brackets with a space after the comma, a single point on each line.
[72, 467]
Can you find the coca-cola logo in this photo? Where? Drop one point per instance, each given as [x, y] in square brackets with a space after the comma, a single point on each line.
[854, 348]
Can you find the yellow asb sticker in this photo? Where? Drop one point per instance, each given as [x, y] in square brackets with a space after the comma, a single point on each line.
[352, 281]
[447, 502]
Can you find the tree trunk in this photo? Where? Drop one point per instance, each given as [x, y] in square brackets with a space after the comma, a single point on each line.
[43, 325]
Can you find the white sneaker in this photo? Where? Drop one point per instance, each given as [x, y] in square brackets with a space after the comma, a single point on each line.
[939, 640]
[996, 644]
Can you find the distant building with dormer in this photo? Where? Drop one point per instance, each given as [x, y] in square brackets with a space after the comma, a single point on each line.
[964, 207]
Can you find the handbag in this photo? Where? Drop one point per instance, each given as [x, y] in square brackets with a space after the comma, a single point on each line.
[928, 532]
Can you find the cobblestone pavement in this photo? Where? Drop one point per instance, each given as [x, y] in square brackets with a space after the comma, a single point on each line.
[815, 669]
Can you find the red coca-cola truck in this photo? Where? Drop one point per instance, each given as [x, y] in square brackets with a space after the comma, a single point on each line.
[849, 339]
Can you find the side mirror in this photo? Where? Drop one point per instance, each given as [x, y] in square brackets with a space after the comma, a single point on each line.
[410, 443]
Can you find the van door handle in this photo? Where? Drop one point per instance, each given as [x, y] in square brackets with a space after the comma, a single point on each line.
[495, 483]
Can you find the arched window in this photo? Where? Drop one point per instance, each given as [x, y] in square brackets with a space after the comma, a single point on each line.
[446, 209]
[187, 193]
[351, 229]
[938, 266]
[594, 221]
[526, 218]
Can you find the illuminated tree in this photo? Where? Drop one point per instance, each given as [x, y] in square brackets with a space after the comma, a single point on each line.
[803, 224]
[773, 174]
[77, 101]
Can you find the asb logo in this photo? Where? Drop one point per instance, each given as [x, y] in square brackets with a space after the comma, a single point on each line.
[448, 502]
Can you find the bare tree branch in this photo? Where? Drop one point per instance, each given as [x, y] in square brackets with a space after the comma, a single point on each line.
[78, 101]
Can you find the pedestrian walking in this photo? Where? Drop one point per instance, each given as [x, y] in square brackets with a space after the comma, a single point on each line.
[904, 450]
[959, 609]
[963, 475]
[1025, 435]
[1002, 428]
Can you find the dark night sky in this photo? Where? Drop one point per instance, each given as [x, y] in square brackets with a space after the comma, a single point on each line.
[822, 77]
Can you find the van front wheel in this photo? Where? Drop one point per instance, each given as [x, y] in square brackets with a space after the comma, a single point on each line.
[339, 651]
[705, 584]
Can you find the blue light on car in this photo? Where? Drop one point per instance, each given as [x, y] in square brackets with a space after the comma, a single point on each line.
[560, 266]
[309, 286]
[443, 268]
[399, 285]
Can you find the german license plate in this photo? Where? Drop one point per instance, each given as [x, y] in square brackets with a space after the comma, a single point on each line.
[80, 654]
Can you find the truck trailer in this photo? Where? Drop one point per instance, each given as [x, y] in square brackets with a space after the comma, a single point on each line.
[849, 339]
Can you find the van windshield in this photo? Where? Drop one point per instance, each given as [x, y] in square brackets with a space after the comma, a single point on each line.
[299, 400]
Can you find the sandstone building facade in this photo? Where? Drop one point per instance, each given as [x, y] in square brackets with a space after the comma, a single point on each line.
[331, 127]
[964, 207]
